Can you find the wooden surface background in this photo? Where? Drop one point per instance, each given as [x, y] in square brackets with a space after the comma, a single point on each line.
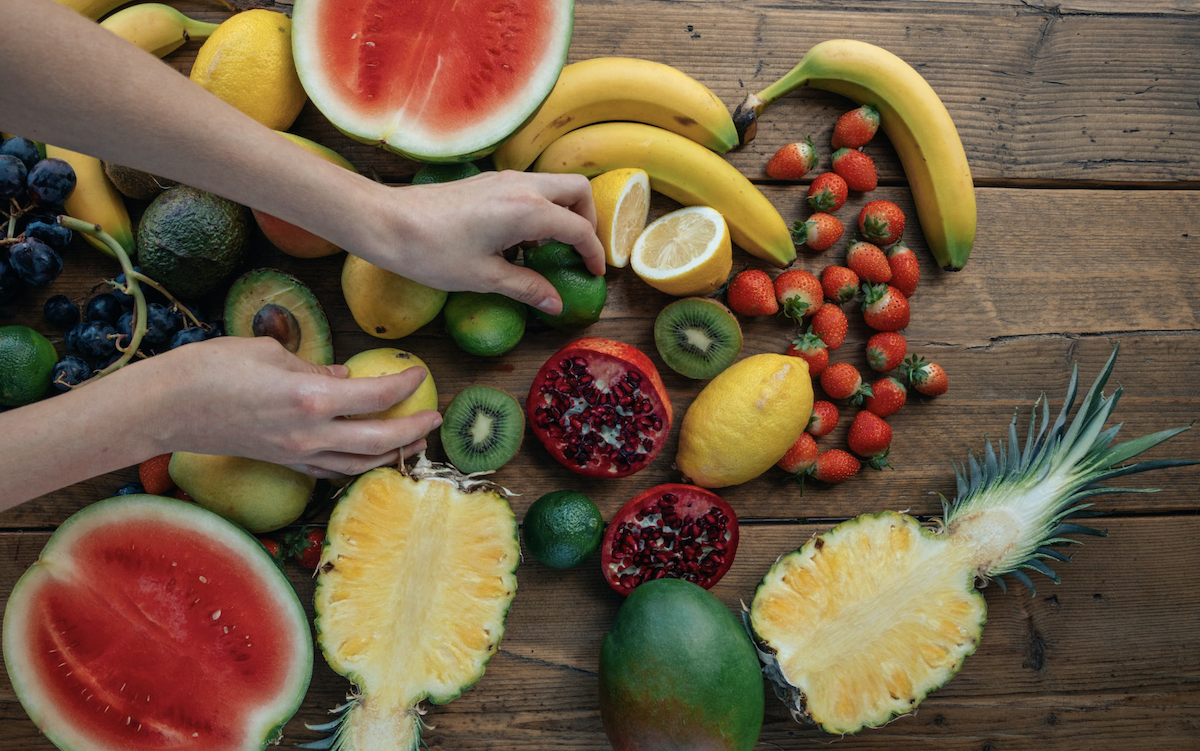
[1081, 120]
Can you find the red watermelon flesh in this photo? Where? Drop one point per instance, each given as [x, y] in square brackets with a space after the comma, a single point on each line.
[153, 624]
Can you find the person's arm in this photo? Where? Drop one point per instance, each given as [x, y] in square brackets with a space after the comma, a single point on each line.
[71, 83]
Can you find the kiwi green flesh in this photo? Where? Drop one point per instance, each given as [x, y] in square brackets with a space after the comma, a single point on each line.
[269, 302]
[697, 338]
[482, 429]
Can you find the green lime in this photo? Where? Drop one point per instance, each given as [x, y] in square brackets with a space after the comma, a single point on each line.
[563, 528]
[583, 293]
[484, 323]
[444, 173]
[26, 360]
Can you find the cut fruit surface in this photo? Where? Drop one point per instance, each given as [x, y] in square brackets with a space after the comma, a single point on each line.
[269, 302]
[432, 80]
[686, 252]
[622, 199]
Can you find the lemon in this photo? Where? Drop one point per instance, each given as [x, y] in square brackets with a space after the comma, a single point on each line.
[387, 360]
[248, 62]
[684, 253]
[745, 420]
[622, 199]
[26, 361]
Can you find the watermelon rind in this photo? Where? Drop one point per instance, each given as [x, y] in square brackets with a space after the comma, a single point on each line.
[266, 725]
[405, 137]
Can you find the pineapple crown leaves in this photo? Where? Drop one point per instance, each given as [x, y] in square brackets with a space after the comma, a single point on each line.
[1040, 487]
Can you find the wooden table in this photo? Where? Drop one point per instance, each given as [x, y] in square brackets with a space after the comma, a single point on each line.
[1081, 121]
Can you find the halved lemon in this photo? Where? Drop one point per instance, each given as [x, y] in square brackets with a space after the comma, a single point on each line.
[684, 253]
[622, 199]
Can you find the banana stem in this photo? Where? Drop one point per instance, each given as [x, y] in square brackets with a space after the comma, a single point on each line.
[745, 117]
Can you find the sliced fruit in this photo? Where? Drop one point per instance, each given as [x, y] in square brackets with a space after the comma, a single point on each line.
[257, 495]
[387, 305]
[562, 529]
[433, 81]
[270, 302]
[697, 337]
[622, 199]
[386, 361]
[415, 580]
[482, 429]
[133, 593]
[685, 252]
[288, 237]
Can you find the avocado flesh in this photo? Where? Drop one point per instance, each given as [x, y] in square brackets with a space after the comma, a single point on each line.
[191, 241]
[269, 302]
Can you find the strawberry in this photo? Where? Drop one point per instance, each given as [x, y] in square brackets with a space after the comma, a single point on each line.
[827, 192]
[856, 168]
[839, 283]
[154, 476]
[886, 350]
[906, 269]
[823, 420]
[800, 457]
[856, 128]
[890, 395]
[926, 377]
[819, 232]
[884, 308]
[305, 546]
[793, 161]
[273, 550]
[834, 466]
[830, 324]
[881, 222]
[871, 438]
[812, 350]
[752, 294]
[798, 293]
[841, 381]
[868, 261]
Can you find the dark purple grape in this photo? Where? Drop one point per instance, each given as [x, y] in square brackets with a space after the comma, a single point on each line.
[124, 329]
[103, 307]
[161, 323]
[36, 262]
[52, 233]
[50, 182]
[125, 300]
[131, 488]
[23, 149]
[96, 339]
[12, 176]
[10, 282]
[187, 336]
[215, 330]
[61, 312]
[71, 338]
[70, 371]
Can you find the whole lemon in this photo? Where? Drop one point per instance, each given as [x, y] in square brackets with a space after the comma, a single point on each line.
[385, 361]
[248, 62]
[387, 305]
[745, 420]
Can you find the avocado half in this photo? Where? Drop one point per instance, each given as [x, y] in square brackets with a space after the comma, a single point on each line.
[270, 302]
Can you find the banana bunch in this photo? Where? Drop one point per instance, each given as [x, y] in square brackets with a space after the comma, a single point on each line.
[95, 200]
[159, 29]
[96, 9]
[915, 121]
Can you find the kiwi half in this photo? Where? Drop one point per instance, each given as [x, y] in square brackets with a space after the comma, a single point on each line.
[482, 429]
[697, 337]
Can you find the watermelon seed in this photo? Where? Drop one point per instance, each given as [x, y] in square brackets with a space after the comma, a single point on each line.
[216, 614]
[203, 580]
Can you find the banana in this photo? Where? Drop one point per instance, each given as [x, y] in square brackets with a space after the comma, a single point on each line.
[681, 169]
[159, 29]
[621, 88]
[915, 121]
[95, 199]
[95, 9]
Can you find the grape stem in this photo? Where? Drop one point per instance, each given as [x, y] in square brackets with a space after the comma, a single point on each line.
[142, 278]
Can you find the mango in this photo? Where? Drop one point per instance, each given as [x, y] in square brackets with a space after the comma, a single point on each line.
[258, 495]
[387, 305]
[388, 360]
[289, 238]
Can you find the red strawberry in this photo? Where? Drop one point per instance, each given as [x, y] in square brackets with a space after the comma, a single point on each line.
[793, 161]
[890, 395]
[834, 466]
[305, 546]
[824, 418]
[868, 262]
[886, 350]
[827, 192]
[881, 222]
[273, 550]
[906, 269]
[884, 308]
[800, 457]
[798, 293]
[870, 437]
[926, 377]
[830, 324]
[154, 476]
[841, 381]
[839, 283]
[812, 350]
[819, 232]
[752, 294]
[856, 128]
[856, 168]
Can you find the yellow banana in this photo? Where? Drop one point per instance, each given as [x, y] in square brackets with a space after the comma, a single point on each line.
[95, 199]
[95, 9]
[915, 121]
[621, 88]
[159, 29]
[681, 169]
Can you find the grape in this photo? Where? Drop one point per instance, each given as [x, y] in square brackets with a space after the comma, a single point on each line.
[12, 176]
[71, 337]
[61, 312]
[70, 371]
[23, 149]
[125, 329]
[49, 231]
[161, 323]
[10, 281]
[36, 262]
[103, 307]
[50, 182]
[95, 339]
[187, 336]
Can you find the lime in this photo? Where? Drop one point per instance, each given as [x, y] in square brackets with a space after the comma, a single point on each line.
[444, 173]
[583, 293]
[563, 528]
[26, 360]
[484, 323]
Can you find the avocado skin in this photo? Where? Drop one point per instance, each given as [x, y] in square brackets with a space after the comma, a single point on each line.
[191, 242]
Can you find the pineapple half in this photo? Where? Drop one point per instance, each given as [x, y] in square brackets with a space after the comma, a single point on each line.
[864, 621]
[416, 577]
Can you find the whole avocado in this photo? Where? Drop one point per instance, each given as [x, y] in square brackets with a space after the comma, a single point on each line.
[190, 241]
[678, 671]
[583, 293]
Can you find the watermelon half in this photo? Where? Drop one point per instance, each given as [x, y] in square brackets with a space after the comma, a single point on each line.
[150, 623]
[434, 80]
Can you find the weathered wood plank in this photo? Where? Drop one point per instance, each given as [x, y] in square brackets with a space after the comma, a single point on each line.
[1106, 660]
